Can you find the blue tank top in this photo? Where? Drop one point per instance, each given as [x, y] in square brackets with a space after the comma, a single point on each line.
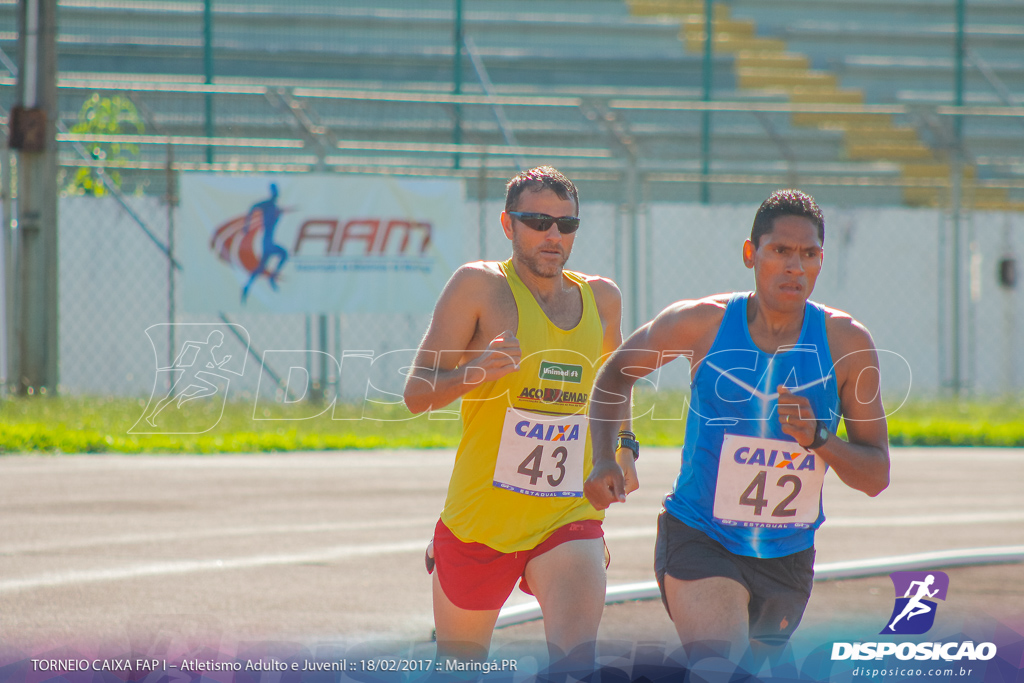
[743, 481]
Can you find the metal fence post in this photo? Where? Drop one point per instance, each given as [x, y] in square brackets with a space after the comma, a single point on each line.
[172, 201]
[632, 189]
[208, 72]
[957, 171]
[956, 290]
[320, 385]
[36, 305]
[705, 116]
[482, 206]
[457, 81]
[7, 244]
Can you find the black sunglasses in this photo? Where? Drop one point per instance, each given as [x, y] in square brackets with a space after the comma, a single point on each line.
[542, 222]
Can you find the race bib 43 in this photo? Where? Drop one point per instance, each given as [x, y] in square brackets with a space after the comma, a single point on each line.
[541, 455]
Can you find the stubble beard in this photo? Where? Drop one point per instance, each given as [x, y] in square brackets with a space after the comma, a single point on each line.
[535, 265]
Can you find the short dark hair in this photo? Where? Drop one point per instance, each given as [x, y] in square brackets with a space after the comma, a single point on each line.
[786, 203]
[537, 179]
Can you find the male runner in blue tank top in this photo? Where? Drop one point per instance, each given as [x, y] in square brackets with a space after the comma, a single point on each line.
[771, 373]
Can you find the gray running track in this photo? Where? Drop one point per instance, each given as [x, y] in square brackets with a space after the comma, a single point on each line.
[100, 550]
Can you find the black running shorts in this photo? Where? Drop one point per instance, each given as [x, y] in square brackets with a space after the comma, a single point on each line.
[779, 587]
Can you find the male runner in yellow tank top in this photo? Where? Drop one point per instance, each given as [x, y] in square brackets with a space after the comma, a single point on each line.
[520, 342]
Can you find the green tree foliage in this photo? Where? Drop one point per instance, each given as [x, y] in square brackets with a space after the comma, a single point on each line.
[105, 116]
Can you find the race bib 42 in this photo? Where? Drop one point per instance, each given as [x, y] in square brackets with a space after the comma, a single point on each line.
[767, 483]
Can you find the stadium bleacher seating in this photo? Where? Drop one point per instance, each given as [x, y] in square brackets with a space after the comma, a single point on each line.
[866, 52]
[314, 84]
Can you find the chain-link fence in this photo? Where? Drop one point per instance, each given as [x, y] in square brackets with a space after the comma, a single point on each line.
[120, 312]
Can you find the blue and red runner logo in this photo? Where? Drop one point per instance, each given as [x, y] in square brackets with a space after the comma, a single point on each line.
[235, 242]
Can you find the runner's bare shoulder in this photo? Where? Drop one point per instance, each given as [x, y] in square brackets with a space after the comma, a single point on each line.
[478, 280]
[606, 292]
[698, 313]
[845, 334]
[689, 324]
[474, 293]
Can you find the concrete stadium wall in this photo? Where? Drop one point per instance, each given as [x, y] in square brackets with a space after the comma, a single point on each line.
[888, 267]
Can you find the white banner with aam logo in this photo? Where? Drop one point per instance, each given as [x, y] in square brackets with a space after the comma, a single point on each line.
[318, 243]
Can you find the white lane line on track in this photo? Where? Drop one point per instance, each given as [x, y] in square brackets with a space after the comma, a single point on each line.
[193, 566]
[329, 462]
[350, 551]
[991, 517]
[995, 517]
[147, 538]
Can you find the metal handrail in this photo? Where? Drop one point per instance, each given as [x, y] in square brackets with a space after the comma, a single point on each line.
[993, 80]
[496, 107]
[640, 103]
[830, 571]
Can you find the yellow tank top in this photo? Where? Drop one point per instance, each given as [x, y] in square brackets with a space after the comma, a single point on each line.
[525, 447]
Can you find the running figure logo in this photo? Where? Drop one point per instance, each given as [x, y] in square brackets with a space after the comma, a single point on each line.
[235, 243]
[266, 213]
[914, 613]
[201, 369]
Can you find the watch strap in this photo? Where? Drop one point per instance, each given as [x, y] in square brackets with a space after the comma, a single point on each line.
[821, 435]
[627, 439]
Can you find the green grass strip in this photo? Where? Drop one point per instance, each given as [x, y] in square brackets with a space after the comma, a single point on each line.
[105, 425]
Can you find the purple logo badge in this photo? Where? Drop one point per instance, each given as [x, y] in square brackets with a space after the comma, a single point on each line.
[916, 593]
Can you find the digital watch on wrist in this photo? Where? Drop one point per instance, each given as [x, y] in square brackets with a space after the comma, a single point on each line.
[627, 439]
[821, 435]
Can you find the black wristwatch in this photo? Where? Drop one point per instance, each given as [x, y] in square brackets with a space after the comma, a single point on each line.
[821, 435]
[628, 440]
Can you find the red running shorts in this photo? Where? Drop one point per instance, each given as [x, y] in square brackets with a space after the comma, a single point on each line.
[477, 577]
